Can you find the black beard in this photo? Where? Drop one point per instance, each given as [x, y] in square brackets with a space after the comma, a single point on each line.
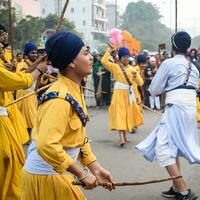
[5, 44]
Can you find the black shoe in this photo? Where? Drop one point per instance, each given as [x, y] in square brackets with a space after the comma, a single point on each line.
[170, 193]
[122, 144]
[133, 130]
[189, 196]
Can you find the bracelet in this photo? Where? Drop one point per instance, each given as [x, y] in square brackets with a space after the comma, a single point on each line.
[86, 175]
[41, 72]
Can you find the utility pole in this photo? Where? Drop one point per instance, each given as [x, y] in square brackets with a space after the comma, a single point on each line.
[58, 5]
[176, 15]
[10, 27]
[116, 14]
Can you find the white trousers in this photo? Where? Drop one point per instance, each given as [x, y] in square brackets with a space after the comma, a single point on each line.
[154, 102]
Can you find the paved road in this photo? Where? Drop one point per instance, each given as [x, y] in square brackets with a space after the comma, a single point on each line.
[127, 165]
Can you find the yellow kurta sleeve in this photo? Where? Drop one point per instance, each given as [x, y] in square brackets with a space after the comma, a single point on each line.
[107, 63]
[14, 81]
[87, 157]
[7, 55]
[138, 80]
[52, 125]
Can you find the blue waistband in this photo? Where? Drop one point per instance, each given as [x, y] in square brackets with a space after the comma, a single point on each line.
[189, 87]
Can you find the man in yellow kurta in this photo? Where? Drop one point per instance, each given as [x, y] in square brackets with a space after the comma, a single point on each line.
[59, 138]
[5, 54]
[141, 64]
[28, 107]
[19, 57]
[12, 133]
[124, 113]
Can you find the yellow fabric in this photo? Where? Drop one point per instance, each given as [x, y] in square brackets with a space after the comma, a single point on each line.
[122, 114]
[23, 65]
[12, 134]
[137, 93]
[8, 56]
[198, 110]
[28, 106]
[10, 81]
[11, 160]
[137, 68]
[17, 119]
[49, 187]
[58, 126]
[19, 62]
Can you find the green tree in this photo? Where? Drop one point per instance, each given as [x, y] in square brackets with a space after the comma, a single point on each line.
[51, 22]
[31, 28]
[142, 20]
[28, 29]
[4, 19]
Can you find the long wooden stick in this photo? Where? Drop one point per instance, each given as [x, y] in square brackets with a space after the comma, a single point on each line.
[11, 27]
[35, 92]
[28, 95]
[135, 183]
[156, 112]
[62, 15]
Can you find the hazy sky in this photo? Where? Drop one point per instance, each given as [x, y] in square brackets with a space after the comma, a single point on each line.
[188, 13]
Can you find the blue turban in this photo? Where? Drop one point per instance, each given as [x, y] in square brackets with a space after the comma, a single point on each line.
[141, 59]
[181, 41]
[123, 52]
[62, 48]
[29, 47]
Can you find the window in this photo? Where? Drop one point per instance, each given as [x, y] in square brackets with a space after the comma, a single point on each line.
[4, 3]
[84, 23]
[83, 9]
[72, 10]
[43, 11]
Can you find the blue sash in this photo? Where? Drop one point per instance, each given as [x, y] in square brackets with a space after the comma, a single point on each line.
[79, 110]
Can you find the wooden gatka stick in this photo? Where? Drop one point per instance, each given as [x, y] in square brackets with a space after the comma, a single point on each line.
[39, 90]
[154, 111]
[28, 95]
[62, 15]
[135, 183]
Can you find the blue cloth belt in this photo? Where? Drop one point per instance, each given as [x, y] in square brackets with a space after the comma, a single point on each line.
[79, 110]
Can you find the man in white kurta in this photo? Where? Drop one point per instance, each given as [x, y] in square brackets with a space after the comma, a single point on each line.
[176, 134]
